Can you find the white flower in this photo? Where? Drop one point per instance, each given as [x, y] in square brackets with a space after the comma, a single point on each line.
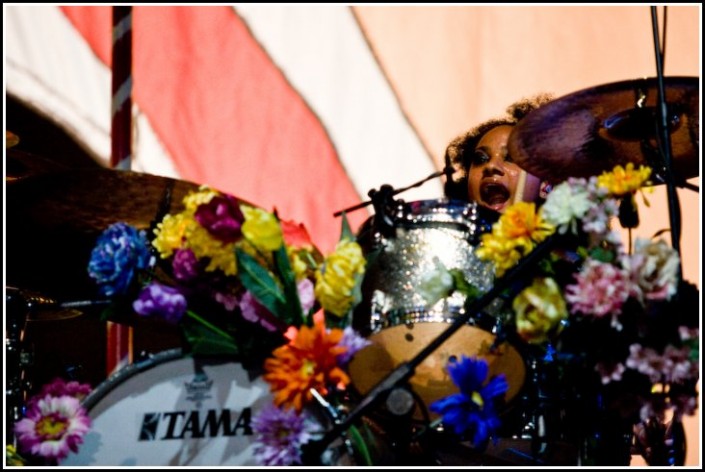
[568, 202]
[436, 283]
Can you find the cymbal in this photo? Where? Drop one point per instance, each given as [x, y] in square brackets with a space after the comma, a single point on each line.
[11, 139]
[22, 164]
[54, 219]
[34, 306]
[591, 131]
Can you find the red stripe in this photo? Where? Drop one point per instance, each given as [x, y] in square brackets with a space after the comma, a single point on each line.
[118, 346]
[228, 116]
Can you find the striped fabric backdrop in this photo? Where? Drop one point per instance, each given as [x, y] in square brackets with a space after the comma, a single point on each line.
[305, 109]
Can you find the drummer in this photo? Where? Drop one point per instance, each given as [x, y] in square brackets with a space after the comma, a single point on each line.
[483, 170]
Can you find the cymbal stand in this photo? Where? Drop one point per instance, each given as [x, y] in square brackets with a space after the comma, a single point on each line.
[17, 359]
[665, 143]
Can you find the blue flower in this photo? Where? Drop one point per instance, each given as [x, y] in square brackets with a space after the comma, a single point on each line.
[161, 300]
[472, 412]
[119, 252]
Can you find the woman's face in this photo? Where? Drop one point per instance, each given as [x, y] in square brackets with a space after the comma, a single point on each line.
[493, 177]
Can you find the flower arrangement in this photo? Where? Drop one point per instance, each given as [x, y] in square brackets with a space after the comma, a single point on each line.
[613, 330]
[241, 282]
[616, 329]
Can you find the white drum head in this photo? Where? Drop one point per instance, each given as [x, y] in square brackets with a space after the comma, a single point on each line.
[173, 411]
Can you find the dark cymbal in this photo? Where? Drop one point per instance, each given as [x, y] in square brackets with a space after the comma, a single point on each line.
[11, 139]
[54, 219]
[21, 165]
[33, 306]
[591, 131]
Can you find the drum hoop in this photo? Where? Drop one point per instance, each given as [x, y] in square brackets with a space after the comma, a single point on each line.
[119, 376]
[416, 315]
[438, 211]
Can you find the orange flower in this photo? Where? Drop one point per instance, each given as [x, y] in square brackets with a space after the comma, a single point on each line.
[308, 361]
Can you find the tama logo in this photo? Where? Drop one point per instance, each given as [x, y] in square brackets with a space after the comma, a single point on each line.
[195, 424]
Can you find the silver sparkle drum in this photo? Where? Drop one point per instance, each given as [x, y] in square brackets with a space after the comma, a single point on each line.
[402, 248]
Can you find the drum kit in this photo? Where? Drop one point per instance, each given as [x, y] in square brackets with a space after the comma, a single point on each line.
[168, 409]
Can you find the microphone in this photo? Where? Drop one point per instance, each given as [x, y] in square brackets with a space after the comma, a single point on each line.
[447, 171]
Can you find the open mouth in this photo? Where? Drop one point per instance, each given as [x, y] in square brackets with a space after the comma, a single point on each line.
[494, 195]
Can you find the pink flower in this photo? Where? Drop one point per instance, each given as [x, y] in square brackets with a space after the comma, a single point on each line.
[254, 312]
[58, 387]
[53, 427]
[610, 372]
[654, 269]
[601, 290]
[306, 295]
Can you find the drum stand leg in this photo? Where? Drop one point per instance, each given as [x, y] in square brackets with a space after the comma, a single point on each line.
[17, 359]
[544, 416]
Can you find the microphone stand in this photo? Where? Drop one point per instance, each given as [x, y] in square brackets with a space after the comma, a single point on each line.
[389, 192]
[665, 148]
[313, 450]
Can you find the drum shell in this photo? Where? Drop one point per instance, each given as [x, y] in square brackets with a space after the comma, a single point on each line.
[394, 315]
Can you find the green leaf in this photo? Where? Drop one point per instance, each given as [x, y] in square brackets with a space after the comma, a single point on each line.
[345, 231]
[205, 340]
[470, 291]
[260, 283]
[359, 445]
[601, 254]
[292, 313]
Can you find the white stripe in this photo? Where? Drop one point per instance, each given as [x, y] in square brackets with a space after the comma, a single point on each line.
[50, 67]
[122, 27]
[323, 54]
[123, 93]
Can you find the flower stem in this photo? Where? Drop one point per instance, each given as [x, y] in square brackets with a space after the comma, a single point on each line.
[209, 325]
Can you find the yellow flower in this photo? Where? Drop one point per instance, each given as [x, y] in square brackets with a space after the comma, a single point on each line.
[539, 310]
[503, 253]
[521, 222]
[262, 229]
[171, 232]
[12, 457]
[515, 234]
[298, 265]
[335, 279]
[624, 180]
[203, 245]
[182, 231]
[194, 199]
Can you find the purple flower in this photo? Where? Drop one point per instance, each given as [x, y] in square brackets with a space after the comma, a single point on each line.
[119, 252]
[472, 411]
[354, 342]
[279, 435]
[185, 265]
[253, 311]
[53, 427]
[161, 300]
[222, 217]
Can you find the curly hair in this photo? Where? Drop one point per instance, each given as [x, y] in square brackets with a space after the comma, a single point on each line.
[459, 152]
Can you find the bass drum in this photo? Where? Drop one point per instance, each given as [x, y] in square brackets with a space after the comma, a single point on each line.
[172, 410]
[402, 248]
